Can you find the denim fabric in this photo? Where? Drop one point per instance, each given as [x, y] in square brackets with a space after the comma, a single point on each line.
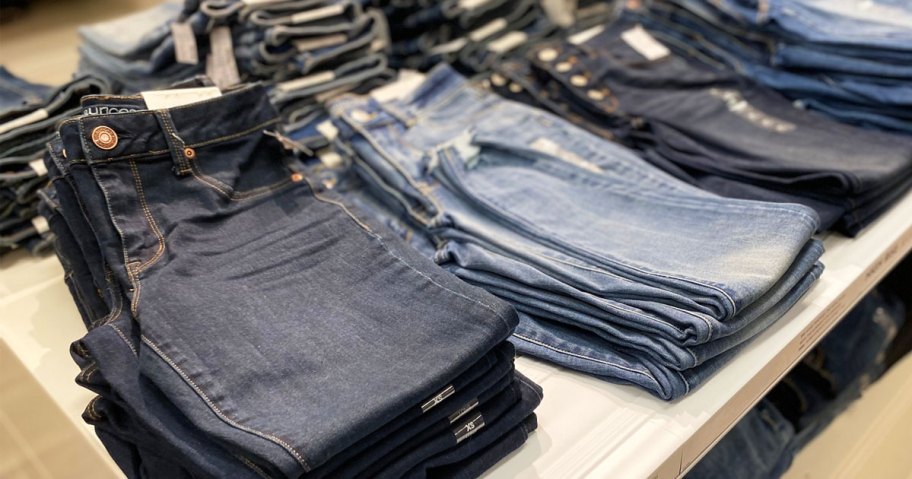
[472, 174]
[16, 93]
[724, 133]
[789, 46]
[236, 215]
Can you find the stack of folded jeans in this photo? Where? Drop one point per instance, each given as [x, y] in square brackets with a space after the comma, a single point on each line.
[832, 376]
[243, 322]
[849, 60]
[137, 52]
[470, 34]
[29, 115]
[712, 128]
[616, 268]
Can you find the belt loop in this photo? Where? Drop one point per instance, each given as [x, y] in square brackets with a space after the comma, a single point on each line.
[178, 149]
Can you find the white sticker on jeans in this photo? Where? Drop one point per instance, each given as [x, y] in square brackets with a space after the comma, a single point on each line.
[551, 148]
[585, 35]
[487, 29]
[40, 224]
[645, 44]
[35, 116]
[507, 42]
[328, 130]
[38, 167]
[163, 99]
[318, 13]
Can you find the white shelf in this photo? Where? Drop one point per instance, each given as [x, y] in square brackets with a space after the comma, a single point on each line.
[590, 428]
[587, 427]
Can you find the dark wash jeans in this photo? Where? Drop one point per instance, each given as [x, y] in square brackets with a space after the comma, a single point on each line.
[719, 130]
[214, 223]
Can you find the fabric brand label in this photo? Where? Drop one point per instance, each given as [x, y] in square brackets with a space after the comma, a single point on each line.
[108, 109]
[463, 410]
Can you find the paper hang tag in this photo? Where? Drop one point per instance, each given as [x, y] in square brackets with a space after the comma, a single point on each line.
[162, 99]
[645, 44]
[38, 167]
[35, 116]
[585, 35]
[185, 50]
[220, 64]
[41, 225]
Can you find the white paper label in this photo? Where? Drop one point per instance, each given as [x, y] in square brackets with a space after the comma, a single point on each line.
[508, 42]
[330, 158]
[471, 4]
[449, 47]
[585, 35]
[40, 224]
[304, 82]
[162, 99]
[488, 29]
[328, 130]
[645, 44]
[185, 50]
[220, 64]
[408, 81]
[260, 2]
[318, 13]
[37, 115]
[38, 167]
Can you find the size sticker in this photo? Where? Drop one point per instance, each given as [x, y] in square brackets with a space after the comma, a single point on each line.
[328, 130]
[38, 167]
[40, 224]
[645, 44]
[304, 82]
[488, 29]
[507, 42]
[185, 50]
[162, 99]
[585, 35]
[469, 429]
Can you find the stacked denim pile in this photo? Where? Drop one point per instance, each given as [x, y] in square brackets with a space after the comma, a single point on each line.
[848, 59]
[832, 376]
[472, 34]
[29, 114]
[243, 322]
[304, 50]
[616, 268]
[712, 128]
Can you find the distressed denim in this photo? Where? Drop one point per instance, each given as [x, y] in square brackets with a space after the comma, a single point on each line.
[531, 208]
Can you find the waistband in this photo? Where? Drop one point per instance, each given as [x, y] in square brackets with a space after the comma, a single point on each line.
[125, 135]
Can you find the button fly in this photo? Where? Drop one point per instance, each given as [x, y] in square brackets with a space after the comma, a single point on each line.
[104, 137]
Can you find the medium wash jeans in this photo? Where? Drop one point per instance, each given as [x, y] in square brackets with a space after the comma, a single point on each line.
[539, 212]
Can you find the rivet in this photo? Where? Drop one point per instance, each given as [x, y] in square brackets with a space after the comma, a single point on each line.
[547, 55]
[104, 137]
[515, 87]
[498, 80]
[296, 177]
[190, 153]
[578, 80]
[64, 152]
[563, 67]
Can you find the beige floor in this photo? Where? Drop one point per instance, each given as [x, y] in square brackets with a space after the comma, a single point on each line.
[41, 45]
